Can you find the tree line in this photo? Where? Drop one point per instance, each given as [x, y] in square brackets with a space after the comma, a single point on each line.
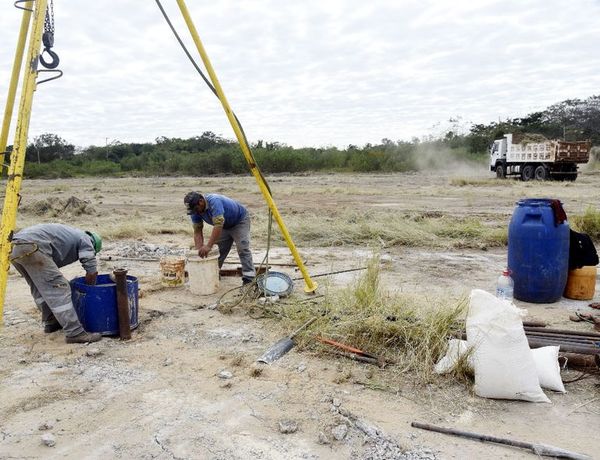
[50, 156]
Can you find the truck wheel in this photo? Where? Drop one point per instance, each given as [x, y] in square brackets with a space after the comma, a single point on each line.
[527, 173]
[500, 172]
[541, 173]
[571, 177]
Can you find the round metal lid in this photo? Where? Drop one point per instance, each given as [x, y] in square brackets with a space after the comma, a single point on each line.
[276, 283]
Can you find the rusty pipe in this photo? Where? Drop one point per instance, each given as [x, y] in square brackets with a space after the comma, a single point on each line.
[122, 304]
[580, 361]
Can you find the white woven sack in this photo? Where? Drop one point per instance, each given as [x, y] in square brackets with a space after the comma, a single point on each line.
[548, 370]
[503, 362]
[546, 363]
[456, 348]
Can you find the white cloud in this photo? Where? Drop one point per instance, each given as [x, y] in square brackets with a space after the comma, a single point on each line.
[308, 73]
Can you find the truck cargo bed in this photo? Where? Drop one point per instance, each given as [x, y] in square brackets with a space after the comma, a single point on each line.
[549, 152]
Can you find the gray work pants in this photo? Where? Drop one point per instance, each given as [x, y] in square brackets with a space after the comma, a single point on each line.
[50, 289]
[240, 234]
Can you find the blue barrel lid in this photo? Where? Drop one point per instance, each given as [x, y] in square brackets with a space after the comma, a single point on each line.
[536, 201]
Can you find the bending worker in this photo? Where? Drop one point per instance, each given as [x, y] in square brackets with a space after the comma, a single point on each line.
[231, 223]
[38, 253]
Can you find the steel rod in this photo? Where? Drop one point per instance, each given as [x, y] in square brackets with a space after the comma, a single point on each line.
[122, 304]
[571, 347]
[567, 348]
[558, 338]
[552, 334]
[539, 449]
[562, 331]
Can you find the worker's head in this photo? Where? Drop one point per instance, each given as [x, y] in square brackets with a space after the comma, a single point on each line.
[194, 202]
[96, 241]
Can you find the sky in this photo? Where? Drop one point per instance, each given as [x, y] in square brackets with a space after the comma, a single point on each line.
[310, 73]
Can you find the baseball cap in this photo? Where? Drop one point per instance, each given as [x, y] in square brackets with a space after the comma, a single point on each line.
[191, 200]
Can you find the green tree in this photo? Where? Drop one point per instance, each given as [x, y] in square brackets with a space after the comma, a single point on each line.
[48, 147]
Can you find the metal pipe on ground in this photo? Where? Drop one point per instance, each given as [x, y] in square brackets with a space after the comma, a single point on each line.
[567, 348]
[536, 342]
[563, 338]
[282, 346]
[571, 337]
[335, 273]
[562, 331]
[581, 361]
[122, 304]
[534, 324]
[538, 449]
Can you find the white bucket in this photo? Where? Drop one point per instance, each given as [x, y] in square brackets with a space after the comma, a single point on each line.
[204, 275]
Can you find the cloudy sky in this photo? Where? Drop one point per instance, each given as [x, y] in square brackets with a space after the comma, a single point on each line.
[310, 72]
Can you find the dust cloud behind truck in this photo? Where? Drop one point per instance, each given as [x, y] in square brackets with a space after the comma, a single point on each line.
[531, 156]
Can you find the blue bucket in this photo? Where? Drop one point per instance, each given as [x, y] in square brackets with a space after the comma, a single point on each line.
[538, 252]
[96, 306]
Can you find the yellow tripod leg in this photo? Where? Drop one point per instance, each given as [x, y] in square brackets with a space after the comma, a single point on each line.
[14, 81]
[310, 285]
[17, 157]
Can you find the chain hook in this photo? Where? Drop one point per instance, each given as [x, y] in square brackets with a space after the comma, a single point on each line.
[48, 39]
[53, 64]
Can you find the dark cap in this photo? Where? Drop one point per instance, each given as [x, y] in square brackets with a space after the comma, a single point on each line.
[191, 200]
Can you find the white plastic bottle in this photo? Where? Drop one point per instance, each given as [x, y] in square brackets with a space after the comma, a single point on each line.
[505, 286]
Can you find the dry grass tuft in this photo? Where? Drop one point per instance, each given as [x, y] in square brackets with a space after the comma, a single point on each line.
[385, 229]
[463, 181]
[410, 331]
[125, 230]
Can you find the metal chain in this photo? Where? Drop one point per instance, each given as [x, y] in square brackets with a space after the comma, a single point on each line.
[48, 40]
[49, 20]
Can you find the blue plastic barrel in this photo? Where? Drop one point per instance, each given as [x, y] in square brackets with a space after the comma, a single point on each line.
[538, 252]
[96, 306]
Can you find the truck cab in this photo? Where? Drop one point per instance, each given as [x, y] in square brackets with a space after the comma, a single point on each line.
[498, 155]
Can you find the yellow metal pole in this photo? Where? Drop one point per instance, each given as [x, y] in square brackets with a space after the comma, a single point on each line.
[14, 82]
[310, 285]
[17, 157]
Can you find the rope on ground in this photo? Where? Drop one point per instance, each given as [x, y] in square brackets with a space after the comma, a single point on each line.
[251, 290]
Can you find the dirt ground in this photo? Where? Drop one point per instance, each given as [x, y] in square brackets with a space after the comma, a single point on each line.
[187, 386]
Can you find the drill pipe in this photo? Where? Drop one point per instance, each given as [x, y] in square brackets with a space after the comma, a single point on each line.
[571, 347]
[562, 331]
[122, 304]
[581, 338]
[535, 342]
[562, 338]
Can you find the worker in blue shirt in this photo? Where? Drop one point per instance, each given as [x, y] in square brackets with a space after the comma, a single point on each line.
[231, 223]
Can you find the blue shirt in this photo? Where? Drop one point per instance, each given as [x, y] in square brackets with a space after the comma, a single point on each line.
[219, 205]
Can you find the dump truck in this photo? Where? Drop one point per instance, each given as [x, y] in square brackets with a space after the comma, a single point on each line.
[531, 156]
